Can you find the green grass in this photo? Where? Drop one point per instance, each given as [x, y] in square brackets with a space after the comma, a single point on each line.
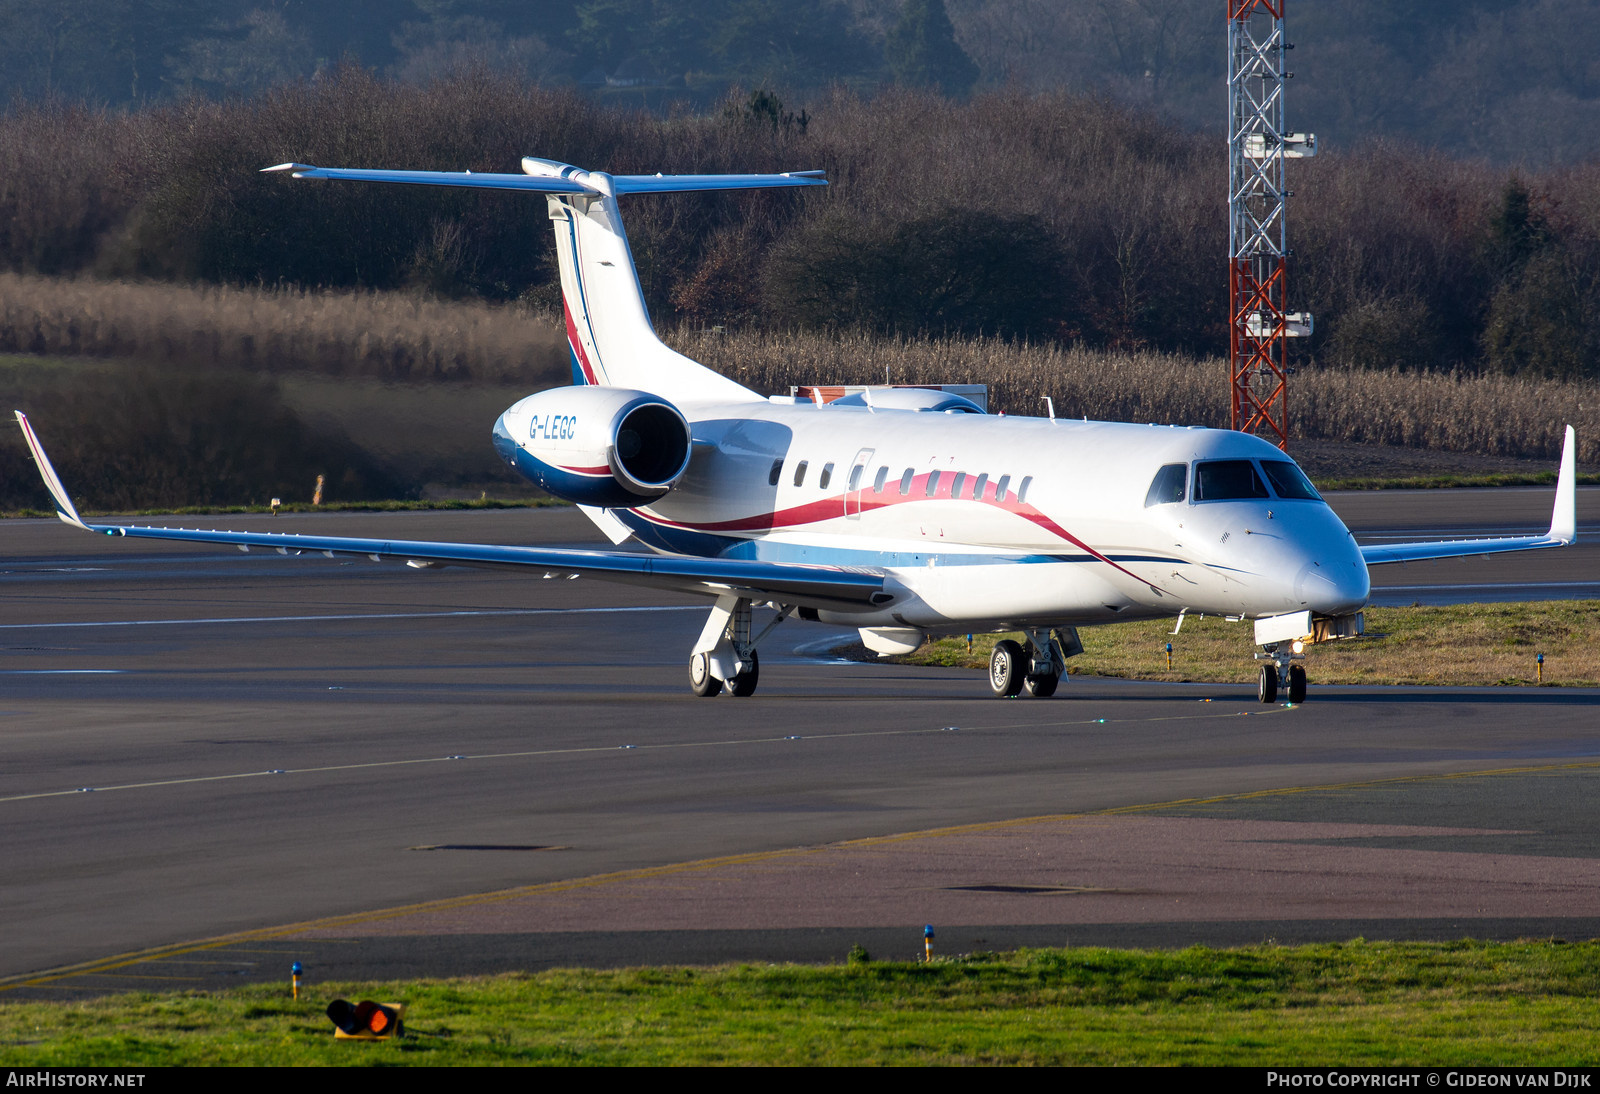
[1357, 1003]
[1450, 481]
[1467, 644]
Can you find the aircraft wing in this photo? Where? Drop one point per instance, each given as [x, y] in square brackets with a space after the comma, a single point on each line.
[1563, 526]
[790, 583]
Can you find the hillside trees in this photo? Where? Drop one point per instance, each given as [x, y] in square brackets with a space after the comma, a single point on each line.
[1051, 217]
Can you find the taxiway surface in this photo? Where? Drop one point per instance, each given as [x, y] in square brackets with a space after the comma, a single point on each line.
[200, 742]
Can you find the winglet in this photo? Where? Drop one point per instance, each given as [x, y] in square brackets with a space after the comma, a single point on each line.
[58, 493]
[1564, 519]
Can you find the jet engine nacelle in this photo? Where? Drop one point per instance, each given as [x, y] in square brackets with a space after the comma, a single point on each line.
[603, 446]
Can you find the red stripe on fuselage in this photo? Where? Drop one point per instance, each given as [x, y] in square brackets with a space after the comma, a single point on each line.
[865, 501]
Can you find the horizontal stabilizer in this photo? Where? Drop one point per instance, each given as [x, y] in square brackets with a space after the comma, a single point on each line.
[487, 181]
[549, 177]
[661, 184]
[1563, 526]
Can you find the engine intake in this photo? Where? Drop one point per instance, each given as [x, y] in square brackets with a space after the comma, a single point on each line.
[609, 447]
[650, 449]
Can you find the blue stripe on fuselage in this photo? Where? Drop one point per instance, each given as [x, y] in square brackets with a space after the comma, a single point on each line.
[686, 541]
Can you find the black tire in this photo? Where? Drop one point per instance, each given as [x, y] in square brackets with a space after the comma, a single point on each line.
[1042, 686]
[1006, 666]
[701, 682]
[1297, 684]
[1267, 687]
[745, 682]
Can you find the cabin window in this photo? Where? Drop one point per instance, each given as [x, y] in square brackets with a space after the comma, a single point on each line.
[827, 474]
[883, 475]
[907, 479]
[1227, 480]
[979, 486]
[1167, 486]
[956, 484]
[1022, 491]
[1000, 488]
[933, 484]
[1288, 481]
[855, 475]
[800, 473]
[777, 469]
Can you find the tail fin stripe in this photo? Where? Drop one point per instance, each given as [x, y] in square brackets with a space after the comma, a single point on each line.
[592, 372]
[576, 343]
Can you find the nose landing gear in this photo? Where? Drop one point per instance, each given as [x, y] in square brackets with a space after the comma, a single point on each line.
[1280, 664]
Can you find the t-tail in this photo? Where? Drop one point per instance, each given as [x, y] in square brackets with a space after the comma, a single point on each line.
[608, 326]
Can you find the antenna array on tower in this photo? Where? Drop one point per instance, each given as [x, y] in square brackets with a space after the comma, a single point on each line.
[1258, 145]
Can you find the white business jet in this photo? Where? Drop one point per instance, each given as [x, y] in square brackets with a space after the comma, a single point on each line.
[901, 512]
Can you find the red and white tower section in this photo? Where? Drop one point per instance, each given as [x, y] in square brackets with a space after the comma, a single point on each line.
[1258, 145]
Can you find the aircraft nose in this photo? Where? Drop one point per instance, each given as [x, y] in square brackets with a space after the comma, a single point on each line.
[1333, 587]
[504, 443]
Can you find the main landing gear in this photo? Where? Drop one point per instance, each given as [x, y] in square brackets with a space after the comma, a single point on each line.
[1035, 667]
[725, 656]
[1279, 665]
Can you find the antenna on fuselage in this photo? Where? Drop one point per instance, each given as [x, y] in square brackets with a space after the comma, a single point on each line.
[1049, 405]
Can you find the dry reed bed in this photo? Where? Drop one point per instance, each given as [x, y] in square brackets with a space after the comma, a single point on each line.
[403, 337]
[1491, 414]
[386, 335]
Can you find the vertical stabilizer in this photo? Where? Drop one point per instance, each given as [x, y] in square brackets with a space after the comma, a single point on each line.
[608, 326]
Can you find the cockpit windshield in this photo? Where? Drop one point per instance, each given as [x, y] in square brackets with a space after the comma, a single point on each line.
[1230, 480]
[1288, 481]
[1227, 480]
[1167, 486]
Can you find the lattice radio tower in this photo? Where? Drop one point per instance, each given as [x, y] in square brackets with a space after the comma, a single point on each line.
[1257, 147]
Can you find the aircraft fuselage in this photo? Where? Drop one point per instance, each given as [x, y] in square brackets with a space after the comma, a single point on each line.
[983, 522]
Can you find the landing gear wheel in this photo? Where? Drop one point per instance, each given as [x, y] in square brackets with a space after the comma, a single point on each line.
[1297, 684]
[744, 683]
[1005, 667]
[1042, 686]
[1267, 688]
[701, 682]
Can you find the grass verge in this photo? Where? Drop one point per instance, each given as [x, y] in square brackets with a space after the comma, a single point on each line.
[1466, 644]
[1355, 1003]
[1450, 481]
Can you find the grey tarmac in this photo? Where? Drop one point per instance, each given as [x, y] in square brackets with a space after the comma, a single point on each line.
[218, 763]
